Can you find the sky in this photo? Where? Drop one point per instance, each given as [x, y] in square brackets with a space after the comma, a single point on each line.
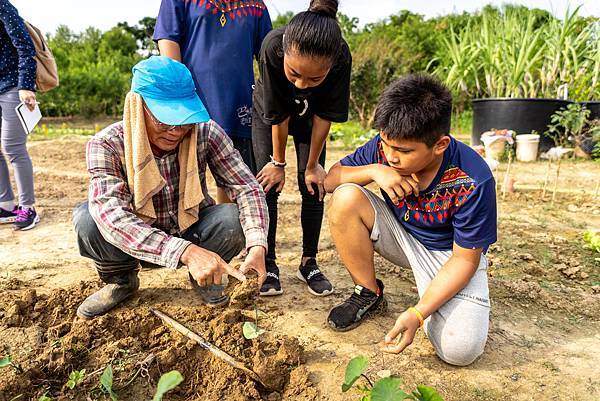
[104, 14]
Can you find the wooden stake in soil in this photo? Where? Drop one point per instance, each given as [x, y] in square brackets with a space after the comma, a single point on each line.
[556, 181]
[169, 321]
[596, 191]
[495, 174]
[506, 176]
[546, 179]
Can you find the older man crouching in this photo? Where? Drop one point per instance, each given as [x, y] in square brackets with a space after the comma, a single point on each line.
[148, 201]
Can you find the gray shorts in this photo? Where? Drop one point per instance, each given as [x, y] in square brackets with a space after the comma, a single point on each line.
[458, 330]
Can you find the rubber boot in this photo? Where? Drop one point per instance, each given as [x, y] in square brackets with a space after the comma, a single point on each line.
[119, 287]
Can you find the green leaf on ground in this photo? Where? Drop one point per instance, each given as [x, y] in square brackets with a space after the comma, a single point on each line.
[388, 389]
[106, 381]
[425, 393]
[6, 361]
[251, 331]
[355, 368]
[167, 382]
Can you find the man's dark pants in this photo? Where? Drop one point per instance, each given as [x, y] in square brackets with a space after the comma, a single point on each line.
[218, 229]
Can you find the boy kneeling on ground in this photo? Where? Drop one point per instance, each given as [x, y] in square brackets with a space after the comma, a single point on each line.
[438, 216]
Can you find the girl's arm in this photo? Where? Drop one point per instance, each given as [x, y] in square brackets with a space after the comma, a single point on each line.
[279, 135]
[315, 173]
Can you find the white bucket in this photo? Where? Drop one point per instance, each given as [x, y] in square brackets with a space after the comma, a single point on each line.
[527, 147]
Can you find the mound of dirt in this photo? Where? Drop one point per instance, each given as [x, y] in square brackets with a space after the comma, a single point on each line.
[47, 343]
[243, 293]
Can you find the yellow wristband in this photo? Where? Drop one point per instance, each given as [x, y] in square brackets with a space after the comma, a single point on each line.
[417, 314]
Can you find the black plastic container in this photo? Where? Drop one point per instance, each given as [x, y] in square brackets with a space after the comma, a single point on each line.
[520, 115]
[594, 107]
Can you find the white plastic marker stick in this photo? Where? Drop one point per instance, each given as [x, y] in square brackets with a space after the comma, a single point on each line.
[28, 118]
[506, 176]
[169, 321]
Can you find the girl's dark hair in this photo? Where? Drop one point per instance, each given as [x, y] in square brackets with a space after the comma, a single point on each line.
[316, 32]
[416, 107]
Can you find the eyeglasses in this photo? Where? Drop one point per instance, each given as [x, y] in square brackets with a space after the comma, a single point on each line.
[165, 127]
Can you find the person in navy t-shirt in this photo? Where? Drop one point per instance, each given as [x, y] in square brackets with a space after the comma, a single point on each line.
[217, 40]
[437, 216]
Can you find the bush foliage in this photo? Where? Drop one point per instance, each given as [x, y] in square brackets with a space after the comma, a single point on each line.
[510, 51]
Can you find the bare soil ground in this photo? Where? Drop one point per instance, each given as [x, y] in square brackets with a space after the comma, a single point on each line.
[544, 341]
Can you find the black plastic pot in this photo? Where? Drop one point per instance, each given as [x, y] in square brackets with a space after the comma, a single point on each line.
[594, 107]
[588, 144]
[520, 115]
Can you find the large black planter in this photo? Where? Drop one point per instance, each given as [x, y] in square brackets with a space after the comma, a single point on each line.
[520, 115]
[594, 107]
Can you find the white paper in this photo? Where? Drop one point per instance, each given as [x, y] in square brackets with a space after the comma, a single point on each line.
[28, 118]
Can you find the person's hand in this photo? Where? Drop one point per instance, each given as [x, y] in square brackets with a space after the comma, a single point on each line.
[206, 267]
[397, 186]
[315, 175]
[27, 97]
[271, 176]
[402, 334]
[255, 260]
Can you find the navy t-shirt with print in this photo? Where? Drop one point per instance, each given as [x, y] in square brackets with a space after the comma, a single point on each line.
[218, 41]
[458, 206]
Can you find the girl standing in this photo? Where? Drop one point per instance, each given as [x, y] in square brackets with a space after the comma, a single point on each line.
[304, 86]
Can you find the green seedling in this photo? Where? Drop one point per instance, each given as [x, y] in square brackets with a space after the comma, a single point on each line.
[384, 389]
[7, 361]
[251, 329]
[45, 398]
[592, 240]
[106, 383]
[354, 371]
[75, 377]
[166, 383]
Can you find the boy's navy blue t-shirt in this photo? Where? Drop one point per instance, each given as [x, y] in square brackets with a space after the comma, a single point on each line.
[218, 40]
[458, 206]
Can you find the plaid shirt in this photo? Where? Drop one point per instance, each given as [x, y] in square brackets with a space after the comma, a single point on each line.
[110, 200]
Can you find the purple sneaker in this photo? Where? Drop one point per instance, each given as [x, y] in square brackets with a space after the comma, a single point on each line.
[26, 219]
[6, 216]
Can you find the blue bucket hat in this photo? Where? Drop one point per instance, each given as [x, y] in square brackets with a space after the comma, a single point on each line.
[168, 89]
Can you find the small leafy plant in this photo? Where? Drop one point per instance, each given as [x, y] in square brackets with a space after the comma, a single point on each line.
[75, 377]
[166, 383]
[385, 389]
[251, 329]
[592, 240]
[572, 126]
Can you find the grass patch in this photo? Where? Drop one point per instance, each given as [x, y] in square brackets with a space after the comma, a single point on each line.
[44, 132]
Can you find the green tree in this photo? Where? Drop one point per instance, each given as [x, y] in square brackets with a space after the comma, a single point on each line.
[282, 19]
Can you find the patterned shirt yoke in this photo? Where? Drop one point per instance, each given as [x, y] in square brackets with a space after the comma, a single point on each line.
[110, 200]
